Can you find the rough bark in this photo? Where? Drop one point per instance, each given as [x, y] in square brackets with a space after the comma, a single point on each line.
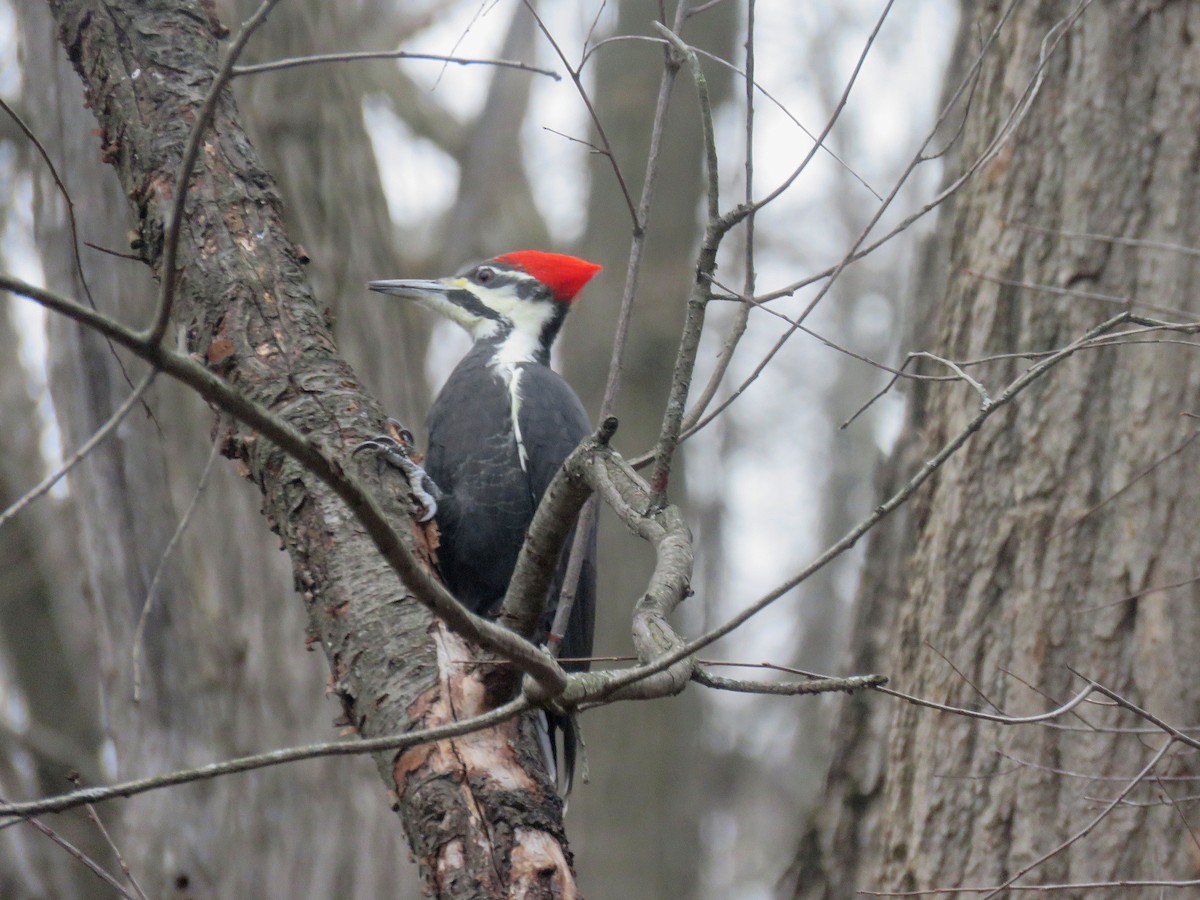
[480, 817]
[309, 125]
[1029, 540]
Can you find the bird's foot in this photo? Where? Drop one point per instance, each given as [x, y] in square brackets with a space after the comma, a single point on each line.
[397, 453]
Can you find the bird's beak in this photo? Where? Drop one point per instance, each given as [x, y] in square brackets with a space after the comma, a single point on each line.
[445, 296]
[412, 288]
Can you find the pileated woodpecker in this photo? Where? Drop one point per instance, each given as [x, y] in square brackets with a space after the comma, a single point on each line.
[500, 429]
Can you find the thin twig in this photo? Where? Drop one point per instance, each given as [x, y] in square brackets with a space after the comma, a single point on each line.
[1109, 239]
[1176, 733]
[633, 268]
[984, 400]
[74, 227]
[577, 80]
[94, 816]
[263, 760]
[1117, 339]
[741, 316]
[819, 146]
[1166, 793]
[295, 62]
[88, 446]
[858, 250]
[697, 305]
[1087, 776]
[92, 866]
[834, 116]
[584, 528]
[152, 592]
[1146, 472]
[1066, 887]
[998, 717]
[1142, 593]
[1111, 299]
[62, 189]
[1086, 829]
[788, 688]
[132, 257]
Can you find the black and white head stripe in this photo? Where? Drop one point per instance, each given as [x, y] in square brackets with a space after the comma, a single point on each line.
[519, 299]
[496, 276]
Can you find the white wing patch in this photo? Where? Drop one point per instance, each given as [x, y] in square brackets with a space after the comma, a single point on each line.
[514, 405]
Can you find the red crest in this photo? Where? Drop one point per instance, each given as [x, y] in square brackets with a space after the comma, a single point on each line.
[564, 275]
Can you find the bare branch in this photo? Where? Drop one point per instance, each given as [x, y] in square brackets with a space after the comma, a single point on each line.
[741, 316]
[1075, 523]
[1000, 719]
[1086, 829]
[984, 400]
[1073, 886]
[295, 62]
[1109, 239]
[1050, 43]
[73, 225]
[1176, 733]
[92, 866]
[821, 147]
[697, 305]
[88, 446]
[577, 80]
[552, 522]
[619, 486]
[95, 818]
[788, 688]
[1110, 299]
[633, 268]
[261, 761]
[152, 591]
[734, 217]
[588, 517]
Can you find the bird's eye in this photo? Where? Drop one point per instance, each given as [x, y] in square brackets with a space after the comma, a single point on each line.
[484, 274]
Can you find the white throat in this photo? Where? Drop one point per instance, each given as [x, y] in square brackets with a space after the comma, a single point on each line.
[517, 348]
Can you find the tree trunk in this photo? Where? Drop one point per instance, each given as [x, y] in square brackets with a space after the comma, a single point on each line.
[1039, 545]
[243, 307]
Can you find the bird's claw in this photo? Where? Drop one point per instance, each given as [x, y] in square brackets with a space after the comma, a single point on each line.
[395, 453]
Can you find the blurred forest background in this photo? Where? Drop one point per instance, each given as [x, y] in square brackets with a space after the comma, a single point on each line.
[411, 168]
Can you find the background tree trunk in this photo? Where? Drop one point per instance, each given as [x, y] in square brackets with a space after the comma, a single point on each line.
[654, 851]
[1017, 570]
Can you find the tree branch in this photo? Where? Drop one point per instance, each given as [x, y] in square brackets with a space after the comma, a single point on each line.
[127, 789]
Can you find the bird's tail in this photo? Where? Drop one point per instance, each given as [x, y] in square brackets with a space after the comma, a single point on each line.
[549, 726]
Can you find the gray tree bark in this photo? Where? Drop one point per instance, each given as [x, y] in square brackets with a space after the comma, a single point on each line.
[1041, 544]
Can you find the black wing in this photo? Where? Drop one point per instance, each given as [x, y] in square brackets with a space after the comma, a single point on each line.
[553, 422]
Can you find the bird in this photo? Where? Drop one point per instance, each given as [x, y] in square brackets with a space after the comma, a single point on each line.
[498, 432]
